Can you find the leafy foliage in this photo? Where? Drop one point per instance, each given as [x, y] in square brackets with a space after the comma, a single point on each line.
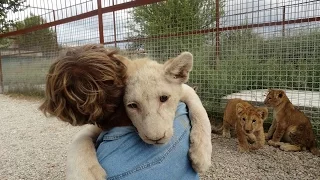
[171, 18]
[43, 40]
[7, 6]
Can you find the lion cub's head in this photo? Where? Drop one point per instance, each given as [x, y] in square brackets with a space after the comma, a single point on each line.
[152, 96]
[275, 97]
[251, 118]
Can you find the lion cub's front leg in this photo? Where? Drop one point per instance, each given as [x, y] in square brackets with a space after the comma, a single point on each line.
[226, 129]
[251, 138]
[243, 145]
[271, 130]
[260, 141]
[82, 162]
[200, 137]
[278, 134]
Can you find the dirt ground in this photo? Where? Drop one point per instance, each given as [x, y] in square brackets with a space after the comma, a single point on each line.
[34, 147]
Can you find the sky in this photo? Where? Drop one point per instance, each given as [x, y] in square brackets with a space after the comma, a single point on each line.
[240, 11]
[237, 12]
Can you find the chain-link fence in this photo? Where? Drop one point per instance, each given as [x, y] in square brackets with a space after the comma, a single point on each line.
[241, 48]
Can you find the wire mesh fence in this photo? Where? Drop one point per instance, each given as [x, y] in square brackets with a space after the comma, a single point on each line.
[241, 48]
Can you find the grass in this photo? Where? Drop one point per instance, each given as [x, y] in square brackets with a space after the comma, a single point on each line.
[25, 96]
[25, 75]
[26, 90]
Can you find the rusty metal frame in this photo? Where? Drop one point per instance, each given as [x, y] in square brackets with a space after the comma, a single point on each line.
[100, 20]
[1, 78]
[114, 26]
[117, 7]
[283, 20]
[217, 34]
[137, 3]
[229, 28]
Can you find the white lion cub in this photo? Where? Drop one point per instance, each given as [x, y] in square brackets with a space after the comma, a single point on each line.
[152, 94]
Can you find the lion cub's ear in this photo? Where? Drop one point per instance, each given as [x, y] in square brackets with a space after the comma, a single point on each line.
[177, 69]
[269, 91]
[263, 112]
[280, 94]
[195, 88]
[240, 109]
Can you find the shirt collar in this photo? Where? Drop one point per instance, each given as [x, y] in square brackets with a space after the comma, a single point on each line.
[115, 133]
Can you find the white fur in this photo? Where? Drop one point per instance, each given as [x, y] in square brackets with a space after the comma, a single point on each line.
[82, 162]
[200, 136]
[148, 80]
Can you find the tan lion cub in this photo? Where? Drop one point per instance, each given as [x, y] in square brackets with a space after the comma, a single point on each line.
[289, 124]
[247, 121]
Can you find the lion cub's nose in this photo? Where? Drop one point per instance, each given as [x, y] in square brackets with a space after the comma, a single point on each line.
[156, 139]
[159, 139]
[247, 131]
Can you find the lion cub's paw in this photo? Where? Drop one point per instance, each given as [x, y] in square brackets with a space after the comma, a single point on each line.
[94, 172]
[275, 144]
[200, 158]
[200, 153]
[98, 173]
[88, 169]
[226, 135]
[290, 147]
[86, 172]
[267, 137]
[256, 147]
[243, 149]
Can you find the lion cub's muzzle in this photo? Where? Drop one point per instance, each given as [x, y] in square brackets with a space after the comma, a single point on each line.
[159, 139]
[247, 130]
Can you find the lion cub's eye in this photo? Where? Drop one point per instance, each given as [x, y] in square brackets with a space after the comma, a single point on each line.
[133, 105]
[244, 119]
[253, 120]
[163, 98]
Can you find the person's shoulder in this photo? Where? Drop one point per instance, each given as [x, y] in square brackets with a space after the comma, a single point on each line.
[116, 133]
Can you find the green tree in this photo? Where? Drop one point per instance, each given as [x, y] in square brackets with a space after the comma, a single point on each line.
[172, 17]
[44, 40]
[7, 6]
[5, 42]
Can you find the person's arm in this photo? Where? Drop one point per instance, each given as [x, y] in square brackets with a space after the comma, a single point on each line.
[200, 136]
[82, 162]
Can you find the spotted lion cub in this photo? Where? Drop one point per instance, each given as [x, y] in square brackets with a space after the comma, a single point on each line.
[289, 125]
[248, 123]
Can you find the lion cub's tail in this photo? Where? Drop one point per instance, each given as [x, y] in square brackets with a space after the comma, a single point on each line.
[315, 151]
[216, 130]
[313, 148]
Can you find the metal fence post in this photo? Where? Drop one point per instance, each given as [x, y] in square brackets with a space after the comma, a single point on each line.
[1, 78]
[55, 28]
[283, 20]
[100, 20]
[114, 26]
[217, 35]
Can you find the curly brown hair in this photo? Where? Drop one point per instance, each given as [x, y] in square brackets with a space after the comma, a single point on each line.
[86, 86]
